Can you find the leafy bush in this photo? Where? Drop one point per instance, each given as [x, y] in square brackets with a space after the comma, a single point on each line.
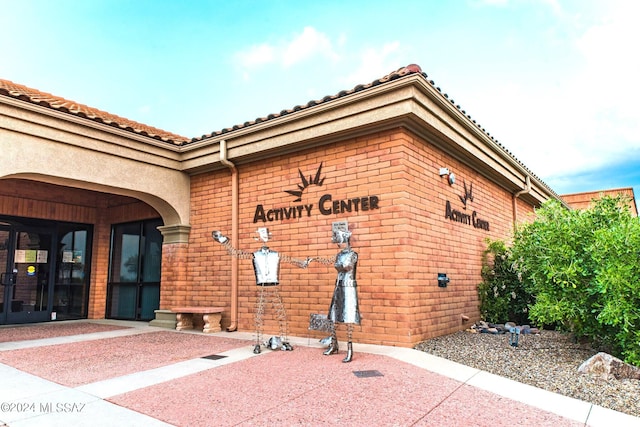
[583, 267]
[502, 294]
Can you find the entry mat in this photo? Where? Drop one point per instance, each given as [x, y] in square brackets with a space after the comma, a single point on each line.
[213, 357]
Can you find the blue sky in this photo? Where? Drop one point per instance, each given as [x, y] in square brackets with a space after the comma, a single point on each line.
[554, 81]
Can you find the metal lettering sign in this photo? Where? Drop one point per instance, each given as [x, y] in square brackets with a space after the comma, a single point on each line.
[325, 205]
[463, 217]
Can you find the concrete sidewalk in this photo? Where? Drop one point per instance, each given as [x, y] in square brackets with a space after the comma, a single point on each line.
[139, 375]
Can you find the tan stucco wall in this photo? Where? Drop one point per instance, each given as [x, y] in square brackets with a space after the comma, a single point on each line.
[40, 147]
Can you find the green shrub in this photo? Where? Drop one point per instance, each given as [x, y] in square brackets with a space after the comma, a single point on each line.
[502, 295]
[616, 252]
[583, 268]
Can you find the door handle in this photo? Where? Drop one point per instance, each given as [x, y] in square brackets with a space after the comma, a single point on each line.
[8, 279]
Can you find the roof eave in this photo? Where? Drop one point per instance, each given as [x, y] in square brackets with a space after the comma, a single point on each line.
[410, 102]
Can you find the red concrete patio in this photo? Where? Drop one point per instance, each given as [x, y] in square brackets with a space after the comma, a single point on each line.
[152, 376]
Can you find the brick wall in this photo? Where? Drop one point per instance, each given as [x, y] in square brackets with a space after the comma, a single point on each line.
[402, 246]
[39, 200]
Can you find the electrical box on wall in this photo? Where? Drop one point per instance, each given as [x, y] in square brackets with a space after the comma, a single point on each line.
[443, 280]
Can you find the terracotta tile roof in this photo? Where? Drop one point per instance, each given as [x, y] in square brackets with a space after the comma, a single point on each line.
[401, 72]
[14, 90]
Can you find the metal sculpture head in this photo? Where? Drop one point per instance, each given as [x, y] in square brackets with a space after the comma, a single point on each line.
[263, 234]
[218, 237]
[341, 237]
[340, 233]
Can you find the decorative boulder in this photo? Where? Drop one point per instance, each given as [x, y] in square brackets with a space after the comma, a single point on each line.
[509, 325]
[609, 367]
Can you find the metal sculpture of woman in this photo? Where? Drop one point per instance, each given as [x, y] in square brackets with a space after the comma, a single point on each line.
[266, 265]
[344, 304]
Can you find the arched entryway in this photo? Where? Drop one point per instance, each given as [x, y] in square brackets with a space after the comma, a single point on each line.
[68, 253]
[59, 170]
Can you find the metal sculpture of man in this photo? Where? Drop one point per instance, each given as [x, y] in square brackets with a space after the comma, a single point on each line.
[344, 304]
[266, 265]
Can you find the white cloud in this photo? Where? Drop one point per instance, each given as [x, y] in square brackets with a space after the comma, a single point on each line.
[255, 56]
[610, 52]
[374, 63]
[312, 45]
[492, 2]
[308, 45]
[554, 5]
[575, 119]
[607, 90]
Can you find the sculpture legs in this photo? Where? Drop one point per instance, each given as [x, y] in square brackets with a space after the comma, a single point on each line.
[281, 315]
[264, 294]
[258, 319]
[349, 344]
[333, 345]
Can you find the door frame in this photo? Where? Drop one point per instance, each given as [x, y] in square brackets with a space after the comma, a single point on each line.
[6, 315]
[4, 270]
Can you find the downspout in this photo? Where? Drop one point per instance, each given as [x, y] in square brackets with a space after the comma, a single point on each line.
[526, 190]
[234, 234]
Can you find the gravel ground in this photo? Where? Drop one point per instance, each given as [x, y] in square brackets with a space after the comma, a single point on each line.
[548, 360]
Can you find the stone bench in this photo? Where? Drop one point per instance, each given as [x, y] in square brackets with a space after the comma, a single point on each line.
[210, 316]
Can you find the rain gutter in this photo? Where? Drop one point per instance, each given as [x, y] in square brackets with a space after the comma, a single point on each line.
[234, 234]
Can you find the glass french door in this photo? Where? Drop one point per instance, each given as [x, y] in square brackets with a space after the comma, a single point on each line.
[71, 291]
[26, 257]
[7, 276]
[133, 290]
[44, 270]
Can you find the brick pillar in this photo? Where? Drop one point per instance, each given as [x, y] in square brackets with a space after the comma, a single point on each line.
[99, 263]
[173, 284]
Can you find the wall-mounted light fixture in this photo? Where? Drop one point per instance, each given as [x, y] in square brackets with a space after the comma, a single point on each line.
[451, 178]
[443, 280]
